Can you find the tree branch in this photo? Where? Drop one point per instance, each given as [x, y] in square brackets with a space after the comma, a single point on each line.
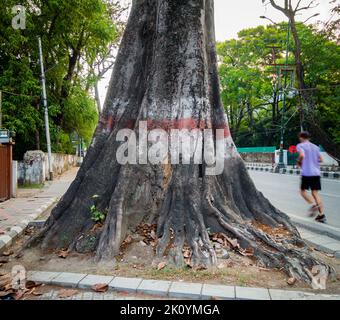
[309, 6]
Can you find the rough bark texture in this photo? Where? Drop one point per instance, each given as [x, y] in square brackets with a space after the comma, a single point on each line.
[166, 73]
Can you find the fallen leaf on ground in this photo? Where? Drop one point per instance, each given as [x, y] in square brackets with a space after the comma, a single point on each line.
[66, 293]
[153, 243]
[201, 267]
[37, 292]
[63, 254]
[220, 241]
[100, 287]
[234, 243]
[7, 253]
[291, 281]
[161, 265]
[247, 252]
[186, 254]
[31, 284]
[128, 240]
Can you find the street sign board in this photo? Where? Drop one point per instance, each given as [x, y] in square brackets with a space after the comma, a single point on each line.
[4, 136]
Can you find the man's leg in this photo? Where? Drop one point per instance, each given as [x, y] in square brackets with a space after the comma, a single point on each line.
[316, 196]
[306, 196]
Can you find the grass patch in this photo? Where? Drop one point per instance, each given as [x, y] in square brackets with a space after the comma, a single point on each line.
[31, 186]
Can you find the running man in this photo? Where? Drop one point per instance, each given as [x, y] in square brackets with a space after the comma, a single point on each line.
[309, 161]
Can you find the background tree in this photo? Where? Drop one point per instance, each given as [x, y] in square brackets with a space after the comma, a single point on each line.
[75, 34]
[248, 59]
[308, 117]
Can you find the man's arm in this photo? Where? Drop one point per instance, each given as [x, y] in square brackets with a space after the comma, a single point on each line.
[300, 158]
[301, 155]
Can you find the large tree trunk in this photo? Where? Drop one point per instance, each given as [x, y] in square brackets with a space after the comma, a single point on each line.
[166, 74]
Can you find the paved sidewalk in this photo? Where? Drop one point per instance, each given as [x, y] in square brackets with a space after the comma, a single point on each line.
[17, 213]
[165, 289]
[321, 242]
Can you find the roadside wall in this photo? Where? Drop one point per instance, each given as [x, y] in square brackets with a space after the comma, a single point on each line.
[34, 168]
[258, 157]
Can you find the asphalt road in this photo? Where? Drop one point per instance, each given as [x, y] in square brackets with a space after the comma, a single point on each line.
[283, 191]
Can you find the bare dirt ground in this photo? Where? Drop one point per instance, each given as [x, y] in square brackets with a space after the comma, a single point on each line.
[137, 260]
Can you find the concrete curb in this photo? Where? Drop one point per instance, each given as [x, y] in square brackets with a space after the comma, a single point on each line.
[8, 238]
[325, 174]
[315, 227]
[180, 290]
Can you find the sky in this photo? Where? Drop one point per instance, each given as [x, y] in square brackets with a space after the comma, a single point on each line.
[232, 16]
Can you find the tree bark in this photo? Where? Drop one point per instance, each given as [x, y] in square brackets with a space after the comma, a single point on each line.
[166, 74]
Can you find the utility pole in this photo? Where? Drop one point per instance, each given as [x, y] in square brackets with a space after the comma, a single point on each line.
[47, 126]
[281, 161]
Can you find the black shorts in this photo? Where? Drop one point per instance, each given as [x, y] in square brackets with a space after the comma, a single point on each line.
[312, 183]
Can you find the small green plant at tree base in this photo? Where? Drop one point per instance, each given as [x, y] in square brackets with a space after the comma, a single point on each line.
[97, 216]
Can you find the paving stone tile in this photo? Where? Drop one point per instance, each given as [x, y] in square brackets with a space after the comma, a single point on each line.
[244, 293]
[66, 279]
[222, 292]
[42, 276]
[154, 287]
[91, 280]
[125, 284]
[185, 290]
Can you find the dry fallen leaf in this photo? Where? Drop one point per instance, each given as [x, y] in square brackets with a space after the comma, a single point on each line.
[201, 267]
[63, 254]
[291, 281]
[153, 243]
[7, 253]
[37, 292]
[186, 254]
[161, 265]
[128, 240]
[66, 293]
[31, 284]
[100, 287]
[247, 252]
